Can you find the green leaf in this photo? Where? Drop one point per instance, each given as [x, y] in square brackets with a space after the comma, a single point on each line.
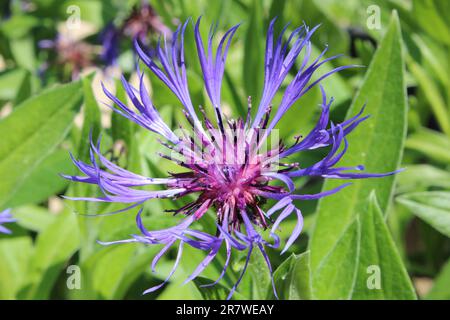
[254, 53]
[276, 10]
[23, 51]
[92, 121]
[216, 292]
[419, 177]
[441, 289]
[432, 207]
[14, 256]
[433, 58]
[282, 279]
[335, 276]
[256, 281]
[105, 270]
[136, 267]
[19, 26]
[369, 264]
[301, 278]
[215, 10]
[381, 273]
[430, 143]
[178, 291]
[33, 217]
[45, 180]
[121, 127]
[109, 271]
[432, 94]
[15, 85]
[430, 19]
[54, 246]
[235, 97]
[292, 278]
[32, 132]
[19, 32]
[377, 143]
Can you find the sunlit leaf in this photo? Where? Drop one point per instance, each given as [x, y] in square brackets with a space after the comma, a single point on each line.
[253, 64]
[292, 278]
[32, 132]
[433, 207]
[381, 273]
[216, 292]
[430, 143]
[377, 143]
[14, 256]
[54, 246]
[441, 289]
[422, 176]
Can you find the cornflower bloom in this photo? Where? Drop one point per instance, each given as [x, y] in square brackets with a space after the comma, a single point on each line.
[228, 164]
[71, 54]
[142, 23]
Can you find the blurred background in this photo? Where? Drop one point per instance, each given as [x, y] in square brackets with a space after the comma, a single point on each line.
[49, 42]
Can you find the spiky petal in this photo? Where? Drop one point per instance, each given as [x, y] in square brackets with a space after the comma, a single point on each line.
[6, 217]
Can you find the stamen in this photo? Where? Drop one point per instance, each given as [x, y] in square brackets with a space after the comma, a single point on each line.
[249, 112]
[265, 121]
[219, 119]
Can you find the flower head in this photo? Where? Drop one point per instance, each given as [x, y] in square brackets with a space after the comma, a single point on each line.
[228, 164]
[144, 20]
[5, 217]
[72, 53]
[142, 23]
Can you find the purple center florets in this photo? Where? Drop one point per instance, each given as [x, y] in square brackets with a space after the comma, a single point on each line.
[230, 168]
[233, 166]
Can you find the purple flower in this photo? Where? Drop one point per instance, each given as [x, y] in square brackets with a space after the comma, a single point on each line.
[109, 38]
[142, 23]
[228, 164]
[70, 52]
[5, 217]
